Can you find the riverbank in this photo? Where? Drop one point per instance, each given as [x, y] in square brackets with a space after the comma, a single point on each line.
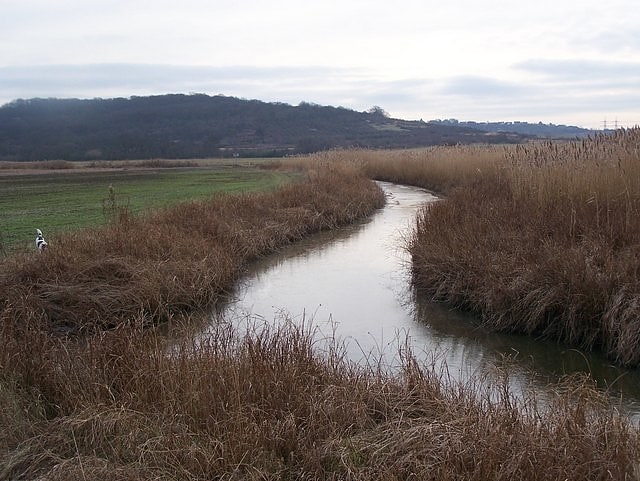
[58, 196]
[540, 239]
[173, 260]
[266, 406]
[131, 403]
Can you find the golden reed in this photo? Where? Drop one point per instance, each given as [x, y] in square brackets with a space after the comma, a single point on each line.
[540, 238]
[135, 403]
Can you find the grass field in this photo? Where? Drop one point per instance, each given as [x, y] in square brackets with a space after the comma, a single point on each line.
[68, 199]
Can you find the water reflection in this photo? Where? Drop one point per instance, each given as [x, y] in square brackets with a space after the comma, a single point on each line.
[536, 362]
[352, 285]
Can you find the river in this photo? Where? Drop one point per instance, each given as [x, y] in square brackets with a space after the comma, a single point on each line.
[353, 286]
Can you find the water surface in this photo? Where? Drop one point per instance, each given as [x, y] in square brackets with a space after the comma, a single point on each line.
[353, 285]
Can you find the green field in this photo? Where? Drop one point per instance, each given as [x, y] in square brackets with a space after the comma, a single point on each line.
[64, 200]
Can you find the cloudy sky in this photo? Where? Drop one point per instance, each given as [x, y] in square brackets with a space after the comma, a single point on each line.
[568, 62]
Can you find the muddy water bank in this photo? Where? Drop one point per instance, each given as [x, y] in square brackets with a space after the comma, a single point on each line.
[353, 285]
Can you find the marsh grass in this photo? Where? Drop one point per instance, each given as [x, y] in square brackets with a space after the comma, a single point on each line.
[176, 259]
[542, 238]
[38, 165]
[439, 169]
[133, 403]
[74, 199]
[104, 164]
[163, 163]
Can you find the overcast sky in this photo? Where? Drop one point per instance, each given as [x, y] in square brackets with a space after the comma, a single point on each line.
[566, 62]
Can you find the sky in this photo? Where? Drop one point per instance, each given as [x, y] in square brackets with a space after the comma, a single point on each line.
[563, 62]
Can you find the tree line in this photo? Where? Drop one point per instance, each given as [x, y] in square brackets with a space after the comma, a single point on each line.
[196, 126]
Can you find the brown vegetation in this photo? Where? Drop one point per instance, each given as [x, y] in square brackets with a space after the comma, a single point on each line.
[542, 239]
[439, 169]
[132, 403]
[129, 404]
[174, 260]
[40, 165]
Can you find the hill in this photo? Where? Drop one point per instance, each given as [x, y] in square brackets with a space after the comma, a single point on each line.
[539, 129]
[196, 126]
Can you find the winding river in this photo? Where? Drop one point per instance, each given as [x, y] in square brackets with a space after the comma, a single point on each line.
[352, 285]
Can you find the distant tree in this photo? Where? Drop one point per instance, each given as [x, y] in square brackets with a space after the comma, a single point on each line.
[378, 112]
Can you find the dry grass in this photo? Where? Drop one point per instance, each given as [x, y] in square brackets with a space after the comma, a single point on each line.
[174, 260]
[542, 238]
[439, 169]
[49, 165]
[37, 165]
[132, 403]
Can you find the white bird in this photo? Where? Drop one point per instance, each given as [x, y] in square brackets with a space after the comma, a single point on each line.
[41, 244]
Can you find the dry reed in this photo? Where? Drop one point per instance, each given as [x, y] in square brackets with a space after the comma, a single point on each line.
[131, 403]
[439, 169]
[540, 238]
[173, 260]
[37, 165]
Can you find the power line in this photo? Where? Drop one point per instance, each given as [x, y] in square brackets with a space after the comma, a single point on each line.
[618, 124]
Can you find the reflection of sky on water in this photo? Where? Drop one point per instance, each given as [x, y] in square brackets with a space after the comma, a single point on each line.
[352, 285]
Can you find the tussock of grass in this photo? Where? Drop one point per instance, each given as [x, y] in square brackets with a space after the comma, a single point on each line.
[131, 404]
[541, 239]
[177, 259]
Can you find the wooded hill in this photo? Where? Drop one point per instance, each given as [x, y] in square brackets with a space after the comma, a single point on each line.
[196, 126]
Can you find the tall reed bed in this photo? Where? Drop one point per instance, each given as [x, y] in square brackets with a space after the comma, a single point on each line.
[129, 404]
[41, 165]
[173, 260]
[437, 168]
[540, 238]
[132, 403]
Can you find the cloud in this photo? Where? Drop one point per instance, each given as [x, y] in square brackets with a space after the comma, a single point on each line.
[139, 79]
[580, 71]
[353, 88]
[619, 42]
[483, 87]
[547, 90]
